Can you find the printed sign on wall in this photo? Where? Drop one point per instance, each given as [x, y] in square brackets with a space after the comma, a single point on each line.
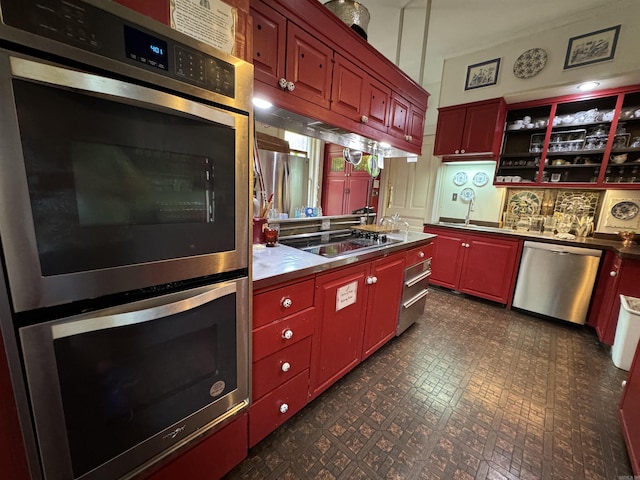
[346, 295]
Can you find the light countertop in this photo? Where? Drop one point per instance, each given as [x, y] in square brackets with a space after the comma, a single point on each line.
[273, 265]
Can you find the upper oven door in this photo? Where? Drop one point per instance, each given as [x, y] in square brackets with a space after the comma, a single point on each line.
[108, 186]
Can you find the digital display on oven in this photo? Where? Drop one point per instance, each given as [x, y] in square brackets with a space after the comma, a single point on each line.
[145, 48]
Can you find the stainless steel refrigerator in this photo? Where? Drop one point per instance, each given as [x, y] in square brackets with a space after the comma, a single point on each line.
[287, 178]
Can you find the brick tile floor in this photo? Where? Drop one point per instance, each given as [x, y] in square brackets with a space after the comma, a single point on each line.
[472, 391]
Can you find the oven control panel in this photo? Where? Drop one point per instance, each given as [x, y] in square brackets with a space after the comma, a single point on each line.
[93, 29]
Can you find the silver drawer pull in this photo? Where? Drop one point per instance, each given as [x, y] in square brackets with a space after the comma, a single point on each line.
[415, 299]
[417, 278]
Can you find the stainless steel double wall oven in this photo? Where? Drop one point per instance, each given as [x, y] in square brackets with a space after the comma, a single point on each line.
[125, 154]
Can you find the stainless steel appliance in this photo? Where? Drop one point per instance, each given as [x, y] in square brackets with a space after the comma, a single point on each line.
[414, 294]
[125, 154]
[286, 177]
[556, 280]
[110, 144]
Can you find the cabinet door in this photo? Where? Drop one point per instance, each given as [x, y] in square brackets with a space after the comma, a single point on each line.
[626, 283]
[605, 295]
[479, 133]
[489, 267]
[377, 99]
[341, 299]
[630, 413]
[447, 258]
[309, 66]
[333, 195]
[398, 116]
[356, 194]
[269, 40]
[383, 303]
[347, 89]
[449, 131]
[415, 128]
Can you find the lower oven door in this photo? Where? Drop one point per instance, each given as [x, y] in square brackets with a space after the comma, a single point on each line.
[118, 388]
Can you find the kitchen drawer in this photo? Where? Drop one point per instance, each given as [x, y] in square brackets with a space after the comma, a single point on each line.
[279, 367]
[277, 407]
[418, 254]
[282, 333]
[274, 304]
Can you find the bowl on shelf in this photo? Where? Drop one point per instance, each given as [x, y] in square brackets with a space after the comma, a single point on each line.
[618, 159]
[627, 237]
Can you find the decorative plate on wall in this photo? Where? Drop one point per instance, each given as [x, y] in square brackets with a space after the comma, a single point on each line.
[467, 194]
[530, 63]
[625, 210]
[480, 179]
[460, 178]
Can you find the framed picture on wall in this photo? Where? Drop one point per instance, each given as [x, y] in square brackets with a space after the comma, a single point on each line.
[482, 74]
[592, 47]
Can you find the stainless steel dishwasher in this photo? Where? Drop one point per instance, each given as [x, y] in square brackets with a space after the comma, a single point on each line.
[556, 280]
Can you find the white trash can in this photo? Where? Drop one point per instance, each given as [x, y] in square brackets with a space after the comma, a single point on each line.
[627, 332]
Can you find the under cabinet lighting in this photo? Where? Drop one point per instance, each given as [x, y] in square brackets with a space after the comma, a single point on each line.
[262, 103]
[586, 86]
[384, 145]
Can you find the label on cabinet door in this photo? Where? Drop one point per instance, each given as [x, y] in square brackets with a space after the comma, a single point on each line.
[346, 295]
[210, 21]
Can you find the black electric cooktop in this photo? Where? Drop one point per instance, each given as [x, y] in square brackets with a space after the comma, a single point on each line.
[334, 247]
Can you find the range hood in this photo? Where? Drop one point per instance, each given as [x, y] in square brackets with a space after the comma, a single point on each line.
[286, 120]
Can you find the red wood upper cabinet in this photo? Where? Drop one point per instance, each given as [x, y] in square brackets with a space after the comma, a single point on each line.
[630, 413]
[358, 96]
[309, 66]
[474, 128]
[288, 58]
[269, 41]
[406, 120]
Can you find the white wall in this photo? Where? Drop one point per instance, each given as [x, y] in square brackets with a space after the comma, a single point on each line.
[624, 69]
[488, 199]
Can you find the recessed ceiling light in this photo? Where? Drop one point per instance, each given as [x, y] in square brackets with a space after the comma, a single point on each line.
[262, 103]
[586, 86]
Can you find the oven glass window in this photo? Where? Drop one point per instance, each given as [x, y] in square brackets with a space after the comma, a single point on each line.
[120, 386]
[115, 184]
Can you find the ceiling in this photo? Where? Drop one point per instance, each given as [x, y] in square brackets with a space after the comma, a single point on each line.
[457, 27]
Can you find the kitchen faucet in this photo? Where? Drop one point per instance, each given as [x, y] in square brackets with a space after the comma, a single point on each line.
[469, 210]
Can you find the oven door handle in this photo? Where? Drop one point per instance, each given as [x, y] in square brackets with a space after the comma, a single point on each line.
[111, 89]
[143, 311]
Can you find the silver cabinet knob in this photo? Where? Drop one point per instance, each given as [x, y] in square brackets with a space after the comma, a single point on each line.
[462, 151]
[364, 119]
[287, 334]
[370, 281]
[284, 408]
[375, 279]
[457, 151]
[420, 254]
[286, 366]
[613, 273]
[287, 302]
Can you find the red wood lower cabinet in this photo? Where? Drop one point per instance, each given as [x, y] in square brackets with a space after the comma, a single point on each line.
[341, 303]
[212, 458]
[358, 310]
[277, 407]
[630, 413]
[383, 303]
[481, 265]
[618, 276]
